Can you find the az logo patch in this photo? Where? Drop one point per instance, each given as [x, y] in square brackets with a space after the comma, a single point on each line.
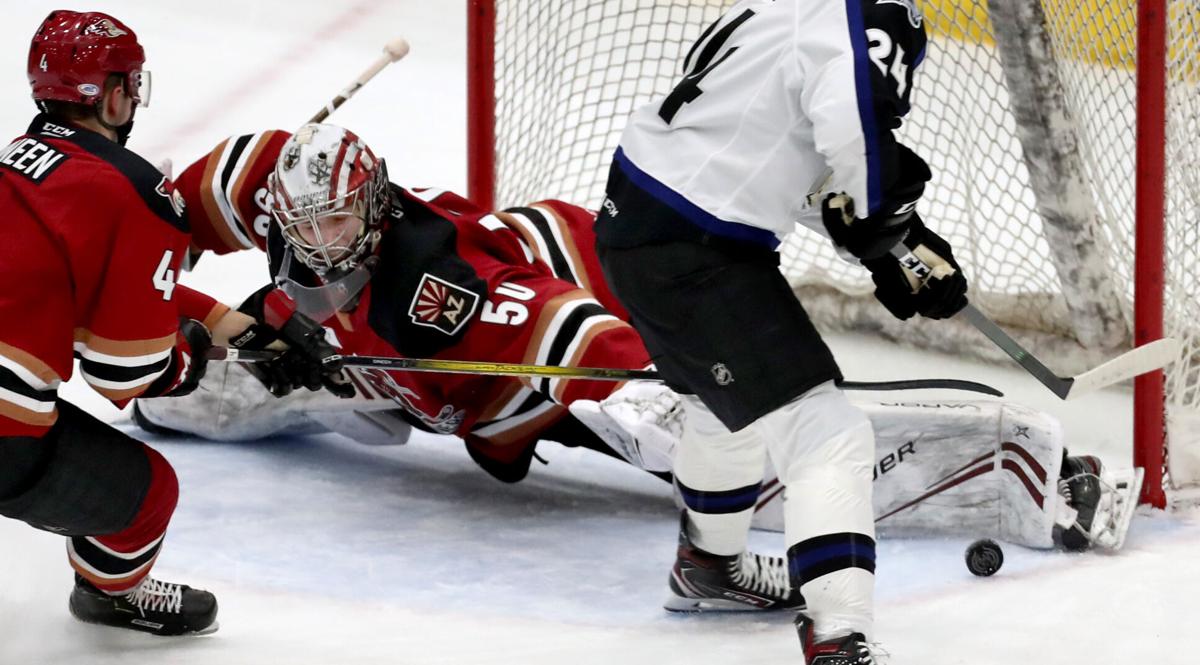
[442, 305]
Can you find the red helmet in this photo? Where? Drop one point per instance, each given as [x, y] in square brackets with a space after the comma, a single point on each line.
[74, 52]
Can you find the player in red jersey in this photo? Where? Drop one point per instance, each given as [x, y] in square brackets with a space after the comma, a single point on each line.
[93, 241]
[530, 291]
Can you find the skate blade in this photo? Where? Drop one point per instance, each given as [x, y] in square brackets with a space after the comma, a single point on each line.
[1126, 488]
[677, 603]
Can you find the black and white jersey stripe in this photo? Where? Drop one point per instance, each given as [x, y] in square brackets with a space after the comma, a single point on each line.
[567, 331]
[543, 229]
[229, 167]
[23, 388]
[121, 373]
[108, 565]
[525, 407]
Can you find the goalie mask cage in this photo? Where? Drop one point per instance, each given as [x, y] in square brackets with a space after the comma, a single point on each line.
[1061, 135]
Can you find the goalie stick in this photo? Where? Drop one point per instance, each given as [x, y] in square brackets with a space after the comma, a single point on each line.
[590, 373]
[392, 51]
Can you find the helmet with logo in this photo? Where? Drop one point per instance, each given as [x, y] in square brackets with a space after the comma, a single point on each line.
[73, 53]
[330, 197]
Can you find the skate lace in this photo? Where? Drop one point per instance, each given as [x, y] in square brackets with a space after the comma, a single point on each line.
[761, 574]
[1064, 489]
[155, 596]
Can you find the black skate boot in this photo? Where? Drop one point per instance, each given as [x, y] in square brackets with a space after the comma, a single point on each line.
[741, 582]
[1079, 484]
[160, 608]
[849, 649]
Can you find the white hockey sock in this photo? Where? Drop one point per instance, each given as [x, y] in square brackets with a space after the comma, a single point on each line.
[717, 474]
[823, 448]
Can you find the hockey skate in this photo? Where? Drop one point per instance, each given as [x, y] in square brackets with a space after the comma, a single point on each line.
[741, 582]
[159, 608]
[642, 422]
[852, 649]
[1096, 505]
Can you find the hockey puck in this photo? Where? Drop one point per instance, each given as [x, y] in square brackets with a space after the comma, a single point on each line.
[984, 557]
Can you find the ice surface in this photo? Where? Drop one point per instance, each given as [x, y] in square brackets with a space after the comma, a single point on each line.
[325, 551]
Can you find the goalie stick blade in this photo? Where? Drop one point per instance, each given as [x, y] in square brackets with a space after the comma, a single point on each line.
[1145, 358]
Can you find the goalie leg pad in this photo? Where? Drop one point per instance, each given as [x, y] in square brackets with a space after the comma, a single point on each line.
[91, 478]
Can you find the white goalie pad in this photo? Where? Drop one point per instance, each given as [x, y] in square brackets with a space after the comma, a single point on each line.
[231, 405]
[977, 469]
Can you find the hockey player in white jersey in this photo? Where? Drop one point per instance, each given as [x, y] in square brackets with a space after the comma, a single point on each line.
[705, 183]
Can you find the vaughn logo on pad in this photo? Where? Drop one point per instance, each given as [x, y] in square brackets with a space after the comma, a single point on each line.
[442, 305]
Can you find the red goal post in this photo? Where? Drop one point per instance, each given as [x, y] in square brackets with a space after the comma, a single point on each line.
[1067, 203]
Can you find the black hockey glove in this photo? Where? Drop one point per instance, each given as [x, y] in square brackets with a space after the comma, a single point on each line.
[310, 361]
[188, 362]
[874, 236]
[941, 295]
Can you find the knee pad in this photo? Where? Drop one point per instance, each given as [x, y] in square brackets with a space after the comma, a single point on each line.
[92, 479]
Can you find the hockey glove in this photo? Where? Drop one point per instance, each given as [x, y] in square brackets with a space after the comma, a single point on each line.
[873, 236]
[188, 362]
[939, 295]
[310, 361]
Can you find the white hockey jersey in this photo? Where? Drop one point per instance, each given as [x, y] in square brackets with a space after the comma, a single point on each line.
[776, 94]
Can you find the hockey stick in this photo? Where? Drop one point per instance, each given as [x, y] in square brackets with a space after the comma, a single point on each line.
[1145, 358]
[393, 51]
[592, 373]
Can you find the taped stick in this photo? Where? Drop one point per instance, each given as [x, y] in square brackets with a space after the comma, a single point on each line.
[1143, 359]
[585, 373]
[393, 51]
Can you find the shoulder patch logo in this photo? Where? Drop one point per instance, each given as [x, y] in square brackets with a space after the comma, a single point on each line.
[166, 189]
[442, 305]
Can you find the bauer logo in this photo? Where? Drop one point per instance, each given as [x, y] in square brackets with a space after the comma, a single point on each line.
[442, 305]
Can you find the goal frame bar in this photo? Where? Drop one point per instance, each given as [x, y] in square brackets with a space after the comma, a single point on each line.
[1149, 412]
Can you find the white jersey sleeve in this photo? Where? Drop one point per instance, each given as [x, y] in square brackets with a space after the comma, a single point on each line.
[774, 95]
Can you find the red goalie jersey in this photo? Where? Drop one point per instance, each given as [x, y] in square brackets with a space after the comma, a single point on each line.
[93, 239]
[453, 282]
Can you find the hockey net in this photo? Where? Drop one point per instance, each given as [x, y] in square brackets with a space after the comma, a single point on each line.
[1025, 110]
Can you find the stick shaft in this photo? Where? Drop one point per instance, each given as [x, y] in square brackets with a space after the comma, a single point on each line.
[394, 51]
[586, 373]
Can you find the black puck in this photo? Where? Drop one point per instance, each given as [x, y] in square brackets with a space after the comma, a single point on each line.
[984, 557]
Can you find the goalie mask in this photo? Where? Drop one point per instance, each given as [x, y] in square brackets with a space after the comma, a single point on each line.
[330, 196]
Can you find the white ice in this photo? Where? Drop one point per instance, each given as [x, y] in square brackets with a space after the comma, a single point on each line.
[325, 551]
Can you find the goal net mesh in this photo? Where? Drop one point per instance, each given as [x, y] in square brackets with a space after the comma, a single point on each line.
[1025, 111]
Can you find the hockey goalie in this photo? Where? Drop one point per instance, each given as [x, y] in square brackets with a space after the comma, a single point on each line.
[943, 468]
[971, 468]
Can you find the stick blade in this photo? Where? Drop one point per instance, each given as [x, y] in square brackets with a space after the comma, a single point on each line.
[1145, 358]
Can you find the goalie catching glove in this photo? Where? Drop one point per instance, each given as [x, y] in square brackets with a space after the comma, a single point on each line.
[310, 361]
